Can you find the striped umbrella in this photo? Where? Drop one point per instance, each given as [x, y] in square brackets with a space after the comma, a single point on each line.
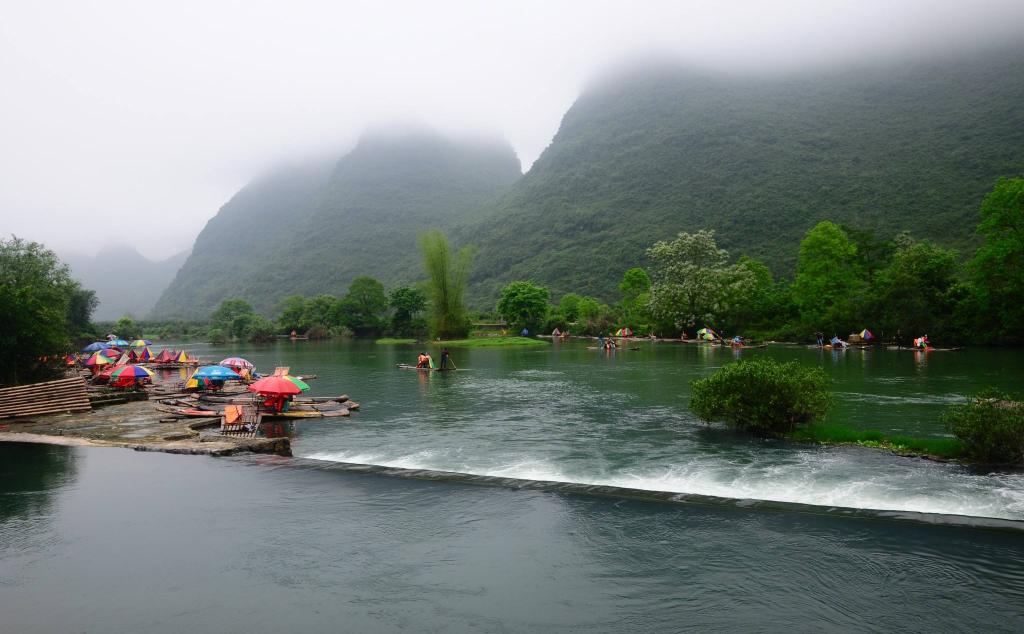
[141, 343]
[131, 374]
[98, 358]
[237, 363]
[118, 342]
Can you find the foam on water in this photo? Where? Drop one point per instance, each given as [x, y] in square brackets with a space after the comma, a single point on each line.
[821, 478]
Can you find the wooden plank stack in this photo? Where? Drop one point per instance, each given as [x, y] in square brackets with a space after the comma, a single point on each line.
[51, 397]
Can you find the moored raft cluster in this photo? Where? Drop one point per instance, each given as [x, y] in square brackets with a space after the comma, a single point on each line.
[217, 408]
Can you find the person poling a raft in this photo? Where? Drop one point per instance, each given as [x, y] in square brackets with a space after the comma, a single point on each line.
[446, 360]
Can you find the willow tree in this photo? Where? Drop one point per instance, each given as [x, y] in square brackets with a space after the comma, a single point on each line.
[447, 273]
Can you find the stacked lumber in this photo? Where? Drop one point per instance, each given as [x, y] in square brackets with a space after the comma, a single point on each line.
[51, 397]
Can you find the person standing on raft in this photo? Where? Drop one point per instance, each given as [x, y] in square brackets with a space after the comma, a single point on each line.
[446, 359]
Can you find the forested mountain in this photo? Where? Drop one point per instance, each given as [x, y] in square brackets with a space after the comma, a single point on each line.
[125, 281]
[651, 151]
[643, 154]
[312, 229]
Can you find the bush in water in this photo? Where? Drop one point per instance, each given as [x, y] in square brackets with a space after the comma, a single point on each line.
[762, 396]
[990, 426]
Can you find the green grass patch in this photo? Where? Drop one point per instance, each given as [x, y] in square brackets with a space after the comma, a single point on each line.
[831, 434]
[388, 341]
[491, 342]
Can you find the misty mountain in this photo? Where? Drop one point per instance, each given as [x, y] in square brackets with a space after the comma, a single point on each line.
[313, 228]
[125, 281]
[647, 152]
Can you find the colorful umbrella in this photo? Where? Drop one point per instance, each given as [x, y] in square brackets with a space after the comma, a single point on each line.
[130, 374]
[136, 371]
[182, 357]
[124, 359]
[118, 342]
[216, 373]
[236, 363]
[297, 381]
[624, 332]
[141, 343]
[275, 385]
[165, 356]
[866, 335]
[143, 354]
[96, 345]
[98, 358]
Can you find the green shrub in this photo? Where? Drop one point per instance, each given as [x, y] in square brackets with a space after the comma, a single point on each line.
[990, 426]
[762, 396]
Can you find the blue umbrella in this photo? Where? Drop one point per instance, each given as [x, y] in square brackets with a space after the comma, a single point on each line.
[118, 342]
[96, 345]
[216, 373]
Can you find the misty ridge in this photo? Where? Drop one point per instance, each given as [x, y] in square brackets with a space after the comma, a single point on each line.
[650, 148]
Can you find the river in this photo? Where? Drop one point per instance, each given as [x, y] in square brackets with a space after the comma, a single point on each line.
[111, 540]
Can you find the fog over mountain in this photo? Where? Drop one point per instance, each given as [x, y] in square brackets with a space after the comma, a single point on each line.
[125, 281]
[119, 116]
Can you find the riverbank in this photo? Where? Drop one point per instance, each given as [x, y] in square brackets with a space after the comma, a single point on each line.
[490, 342]
[137, 425]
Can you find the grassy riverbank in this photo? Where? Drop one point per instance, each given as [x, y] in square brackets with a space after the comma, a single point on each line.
[387, 341]
[491, 342]
[831, 434]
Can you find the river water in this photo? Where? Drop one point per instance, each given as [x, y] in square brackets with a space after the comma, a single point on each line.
[99, 540]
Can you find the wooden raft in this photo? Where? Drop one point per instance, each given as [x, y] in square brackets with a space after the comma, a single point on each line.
[51, 397]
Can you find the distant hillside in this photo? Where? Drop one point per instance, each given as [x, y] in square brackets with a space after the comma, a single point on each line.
[126, 282]
[653, 151]
[312, 229]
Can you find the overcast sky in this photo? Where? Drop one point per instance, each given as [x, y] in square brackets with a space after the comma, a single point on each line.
[136, 121]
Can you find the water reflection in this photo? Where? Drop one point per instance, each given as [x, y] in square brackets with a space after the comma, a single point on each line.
[30, 475]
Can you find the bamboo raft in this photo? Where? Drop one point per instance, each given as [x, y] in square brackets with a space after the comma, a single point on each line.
[49, 397]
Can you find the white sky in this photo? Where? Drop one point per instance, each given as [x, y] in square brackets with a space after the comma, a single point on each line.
[137, 120]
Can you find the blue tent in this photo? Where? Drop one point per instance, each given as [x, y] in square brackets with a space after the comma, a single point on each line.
[216, 373]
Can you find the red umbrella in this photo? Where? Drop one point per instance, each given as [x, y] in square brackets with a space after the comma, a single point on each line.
[274, 385]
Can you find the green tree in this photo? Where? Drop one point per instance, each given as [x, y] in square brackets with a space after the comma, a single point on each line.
[997, 267]
[232, 318]
[81, 305]
[35, 296]
[828, 282]
[635, 288]
[406, 303]
[446, 285]
[362, 308]
[594, 317]
[692, 281]
[259, 329]
[569, 307]
[293, 308]
[524, 305]
[635, 282]
[320, 316]
[913, 293]
[125, 328]
[229, 309]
